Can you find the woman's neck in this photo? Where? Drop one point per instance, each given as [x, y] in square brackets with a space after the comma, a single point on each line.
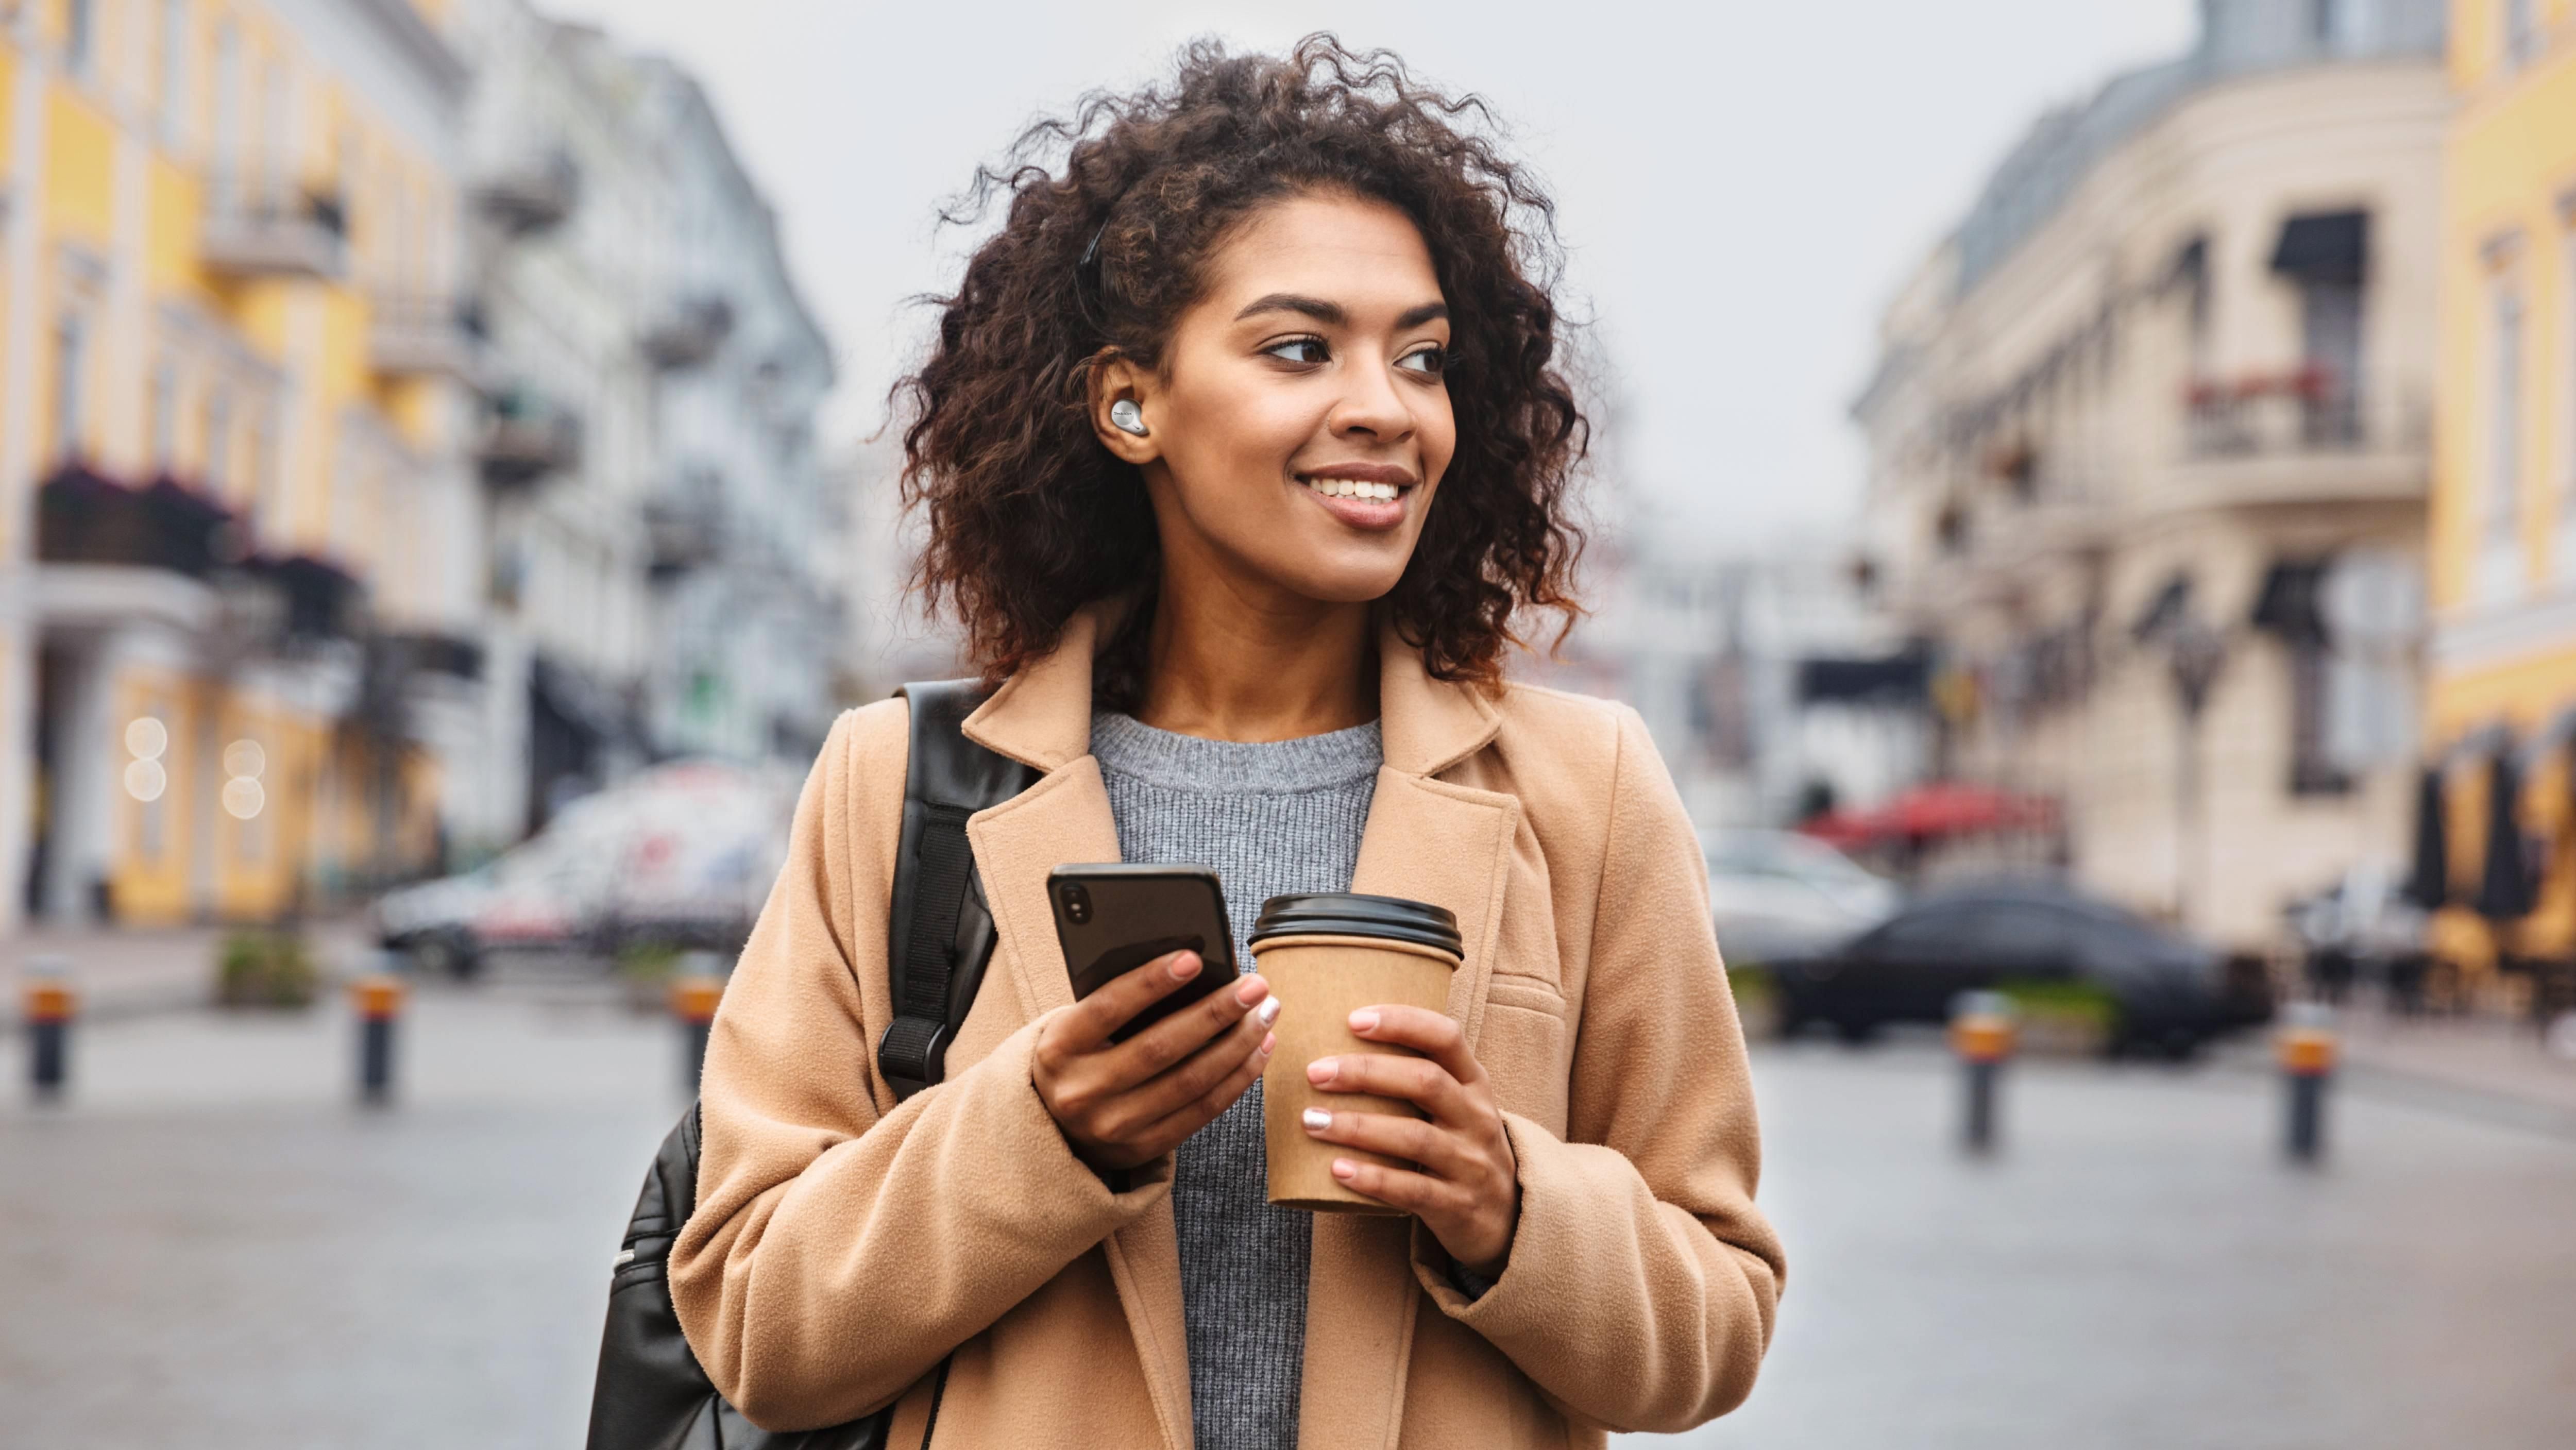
[1238, 668]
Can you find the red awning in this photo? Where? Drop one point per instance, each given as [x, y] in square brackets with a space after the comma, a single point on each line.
[1933, 810]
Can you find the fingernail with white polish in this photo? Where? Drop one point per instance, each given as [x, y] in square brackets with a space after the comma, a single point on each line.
[1267, 1012]
[1315, 1119]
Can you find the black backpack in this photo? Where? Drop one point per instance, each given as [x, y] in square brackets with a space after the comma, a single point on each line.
[651, 1394]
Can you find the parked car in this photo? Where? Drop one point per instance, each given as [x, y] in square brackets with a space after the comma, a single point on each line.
[681, 854]
[2166, 992]
[1773, 893]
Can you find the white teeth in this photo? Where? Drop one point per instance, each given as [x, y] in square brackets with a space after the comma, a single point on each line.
[1355, 488]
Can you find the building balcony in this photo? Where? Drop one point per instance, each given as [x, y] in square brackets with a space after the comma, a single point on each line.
[108, 553]
[426, 335]
[276, 234]
[685, 532]
[528, 437]
[2297, 439]
[689, 333]
[532, 194]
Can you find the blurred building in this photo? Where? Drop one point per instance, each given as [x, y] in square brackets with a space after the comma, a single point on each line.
[237, 521]
[2149, 451]
[2503, 686]
[405, 423]
[1770, 690]
[746, 533]
[659, 575]
[886, 636]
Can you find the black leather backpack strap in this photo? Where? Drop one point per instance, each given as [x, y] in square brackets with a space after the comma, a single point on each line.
[651, 1393]
[939, 933]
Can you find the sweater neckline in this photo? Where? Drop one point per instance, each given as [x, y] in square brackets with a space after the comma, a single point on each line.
[1128, 746]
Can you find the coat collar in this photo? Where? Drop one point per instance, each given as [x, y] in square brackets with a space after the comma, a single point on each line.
[1041, 716]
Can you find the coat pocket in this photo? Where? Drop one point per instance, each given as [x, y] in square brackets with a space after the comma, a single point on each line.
[1522, 1047]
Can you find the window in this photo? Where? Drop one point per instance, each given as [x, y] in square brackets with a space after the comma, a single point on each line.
[2566, 550]
[274, 131]
[219, 441]
[266, 491]
[228, 112]
[2344, 26]
[2521, 32]
[2567, 382]
[2500, 569]
[165, 418]
[80, 36]
[71, 355]
[174, 72]
[2330, 327]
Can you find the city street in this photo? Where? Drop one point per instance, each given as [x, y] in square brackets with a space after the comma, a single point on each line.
[210, 1245]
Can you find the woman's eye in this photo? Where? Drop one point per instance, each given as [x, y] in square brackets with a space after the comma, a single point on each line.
[1431, 361]
[1300, 350]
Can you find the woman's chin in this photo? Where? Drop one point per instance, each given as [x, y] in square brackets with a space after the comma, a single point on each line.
[1359, 584]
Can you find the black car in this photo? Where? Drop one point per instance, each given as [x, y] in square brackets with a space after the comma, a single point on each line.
[2168, 993]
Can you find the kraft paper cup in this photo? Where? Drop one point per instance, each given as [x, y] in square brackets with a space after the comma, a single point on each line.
[1320, 980]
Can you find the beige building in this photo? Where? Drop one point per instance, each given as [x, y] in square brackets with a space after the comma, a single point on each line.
[2149, 454]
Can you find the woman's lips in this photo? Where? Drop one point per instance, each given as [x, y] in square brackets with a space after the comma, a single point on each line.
[1364, 497]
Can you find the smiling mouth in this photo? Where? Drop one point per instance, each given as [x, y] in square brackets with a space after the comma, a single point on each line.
[1362, 489]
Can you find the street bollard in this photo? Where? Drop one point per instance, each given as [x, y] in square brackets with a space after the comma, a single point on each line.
[50, 1006]
[2307, 1051]
[693, 1006]
[1981, 1033]
[379, 1000]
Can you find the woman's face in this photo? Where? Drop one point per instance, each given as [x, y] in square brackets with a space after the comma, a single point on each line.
[1299, 425]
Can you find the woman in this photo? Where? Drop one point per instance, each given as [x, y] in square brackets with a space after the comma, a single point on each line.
[1242, 450]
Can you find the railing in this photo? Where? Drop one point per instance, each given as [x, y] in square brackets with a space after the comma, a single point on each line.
[2306, 411]
[418, 334]
[689, 333]
[533, 194]
[528, 437]
[686, 532]
[276, 232]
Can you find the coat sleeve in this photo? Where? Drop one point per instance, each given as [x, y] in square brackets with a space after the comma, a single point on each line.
[1642, 1282]
[843, 1245]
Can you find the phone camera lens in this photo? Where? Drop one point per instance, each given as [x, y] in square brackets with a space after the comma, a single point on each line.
[1077, 905]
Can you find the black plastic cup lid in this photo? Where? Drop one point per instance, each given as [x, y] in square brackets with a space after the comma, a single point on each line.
[1347, 913]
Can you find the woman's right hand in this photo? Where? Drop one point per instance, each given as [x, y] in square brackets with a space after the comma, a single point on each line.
[1125, 1104]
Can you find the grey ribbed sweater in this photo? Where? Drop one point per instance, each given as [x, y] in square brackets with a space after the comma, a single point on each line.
[1268, 819]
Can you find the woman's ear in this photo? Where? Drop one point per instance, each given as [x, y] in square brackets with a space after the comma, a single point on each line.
[1122, 408]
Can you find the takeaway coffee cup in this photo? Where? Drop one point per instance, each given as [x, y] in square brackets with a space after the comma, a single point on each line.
[1327, 956]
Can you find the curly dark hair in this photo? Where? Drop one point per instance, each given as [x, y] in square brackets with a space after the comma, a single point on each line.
[1031, 518]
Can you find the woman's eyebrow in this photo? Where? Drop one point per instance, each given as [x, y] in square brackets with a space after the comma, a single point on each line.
[1331, 314]
[1328, 313]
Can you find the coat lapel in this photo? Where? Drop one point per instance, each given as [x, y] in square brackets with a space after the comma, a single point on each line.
[1042, 717]
[1448, 845]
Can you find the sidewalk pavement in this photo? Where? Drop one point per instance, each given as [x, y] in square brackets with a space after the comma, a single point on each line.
[130, 971]
[2470, 1060]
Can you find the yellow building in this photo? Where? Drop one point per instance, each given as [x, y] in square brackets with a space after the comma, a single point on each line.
[2503, 526]
[233, 394]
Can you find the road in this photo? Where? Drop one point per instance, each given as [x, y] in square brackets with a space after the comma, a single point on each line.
[2138, 1269]
[210, 1245]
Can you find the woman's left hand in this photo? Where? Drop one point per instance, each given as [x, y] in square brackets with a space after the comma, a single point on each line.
[1468, 1192]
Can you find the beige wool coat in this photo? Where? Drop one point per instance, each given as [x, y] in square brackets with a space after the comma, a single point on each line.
[842, 1244]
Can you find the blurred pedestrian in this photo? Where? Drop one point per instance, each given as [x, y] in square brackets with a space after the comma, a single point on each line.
[1244, 451]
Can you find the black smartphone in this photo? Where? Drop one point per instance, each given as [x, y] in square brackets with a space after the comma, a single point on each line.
[1115, 918]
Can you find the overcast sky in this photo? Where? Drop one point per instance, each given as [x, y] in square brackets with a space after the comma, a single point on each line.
[1740, 186]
